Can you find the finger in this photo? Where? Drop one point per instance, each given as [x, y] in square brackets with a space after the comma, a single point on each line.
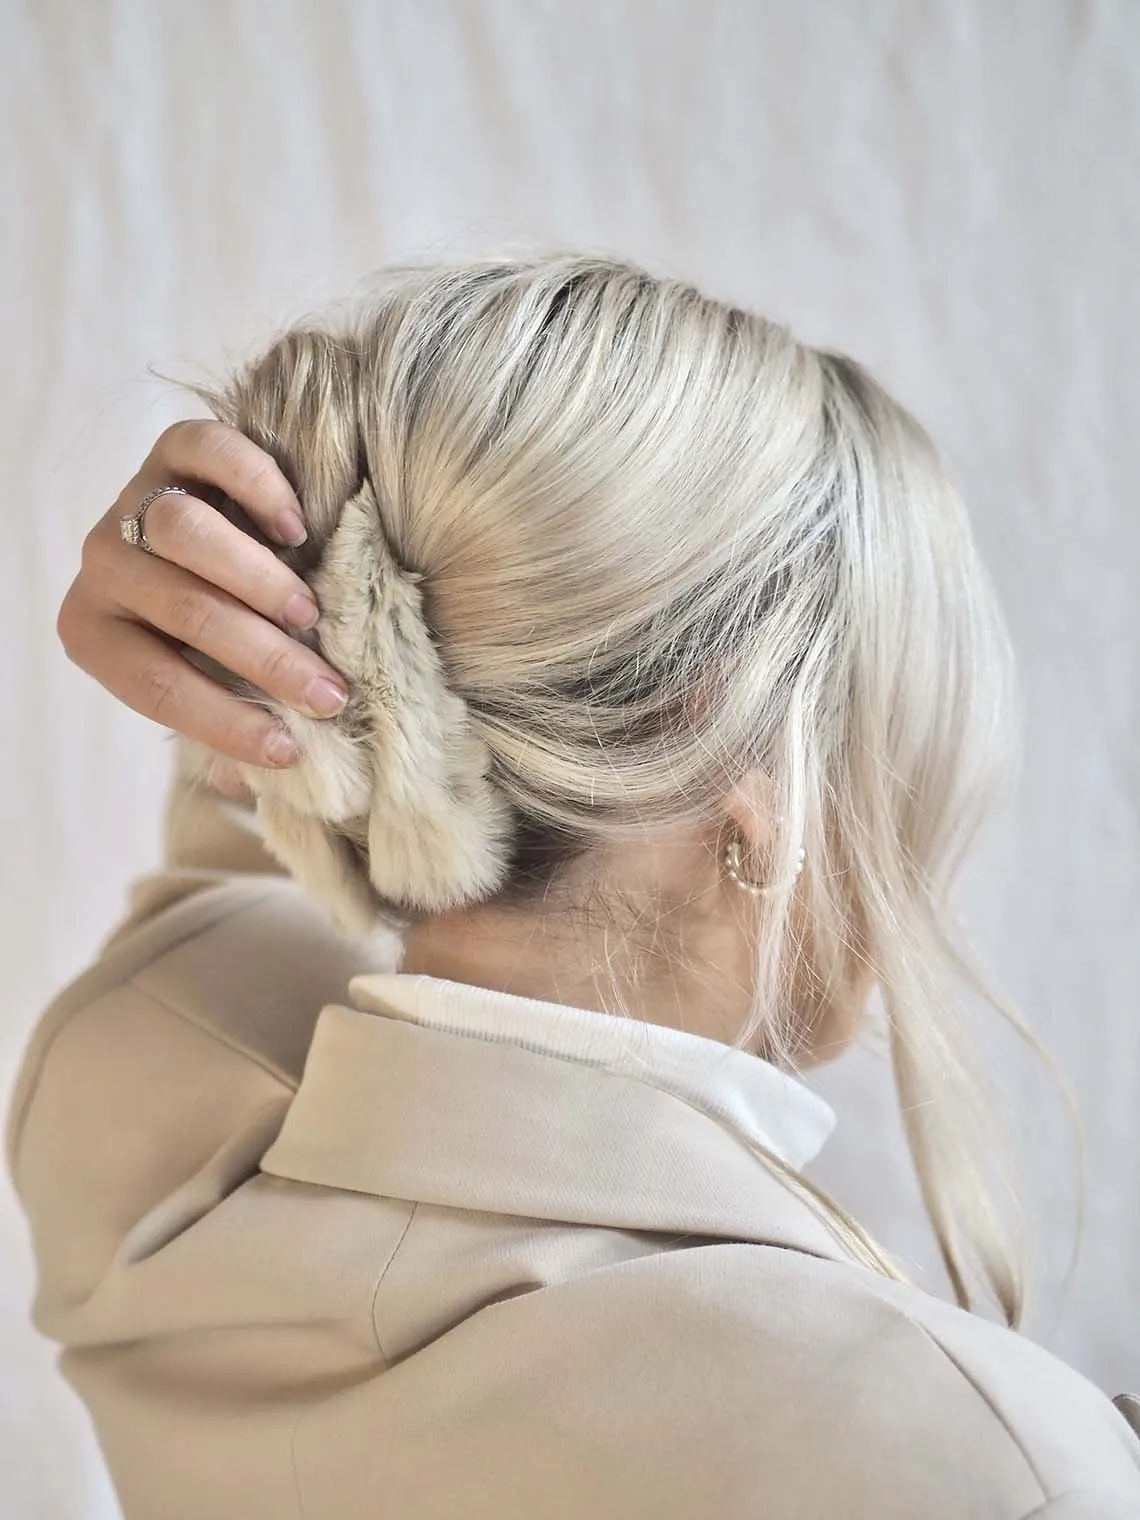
[143, 671]
[223, 629]
[190, 533]
[205, 450]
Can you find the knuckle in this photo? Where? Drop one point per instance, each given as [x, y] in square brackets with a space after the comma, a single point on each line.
[190, 428]
[191, 445]
[177, 521]
[216, 441]
[159, 691]
[193, 617]
[262, 585]
[179, 429]
[259, 474]
[93, 553]
[173, 445]
[251, 474]
[276, 665]
[244, 740]
[66, 624]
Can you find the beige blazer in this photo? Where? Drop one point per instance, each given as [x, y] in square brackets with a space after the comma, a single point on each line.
[382, 1270]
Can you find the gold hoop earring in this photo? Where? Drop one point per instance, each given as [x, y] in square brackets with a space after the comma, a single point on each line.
[733, 865]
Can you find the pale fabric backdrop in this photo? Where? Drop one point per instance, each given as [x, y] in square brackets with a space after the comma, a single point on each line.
[948, 188]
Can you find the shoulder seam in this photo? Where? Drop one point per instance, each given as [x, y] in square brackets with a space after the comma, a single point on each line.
[988, 1401]
[982, 1393]
[212, 1033]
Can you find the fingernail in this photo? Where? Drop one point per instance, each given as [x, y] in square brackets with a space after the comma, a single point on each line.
[281, 749]
[300, 611]
[325, 697]
[291, 530]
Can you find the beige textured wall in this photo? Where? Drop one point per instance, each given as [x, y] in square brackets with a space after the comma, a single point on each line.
[949, 188]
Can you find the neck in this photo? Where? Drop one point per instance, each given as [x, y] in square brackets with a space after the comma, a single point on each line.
[524, 955]
[674, 973]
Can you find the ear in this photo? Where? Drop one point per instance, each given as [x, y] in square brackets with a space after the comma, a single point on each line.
[749, 805]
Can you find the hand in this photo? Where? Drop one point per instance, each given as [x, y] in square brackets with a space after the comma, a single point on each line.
[209, 587]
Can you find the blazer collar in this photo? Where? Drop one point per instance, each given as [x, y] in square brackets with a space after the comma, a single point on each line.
[541, 1115]
[765, 1105]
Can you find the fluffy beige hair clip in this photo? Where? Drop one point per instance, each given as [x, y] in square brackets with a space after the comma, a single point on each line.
[391, 808]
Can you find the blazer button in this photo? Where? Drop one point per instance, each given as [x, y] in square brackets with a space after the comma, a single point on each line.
[1129, 1406]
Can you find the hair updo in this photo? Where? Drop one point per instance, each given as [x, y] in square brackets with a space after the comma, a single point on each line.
[588, 546]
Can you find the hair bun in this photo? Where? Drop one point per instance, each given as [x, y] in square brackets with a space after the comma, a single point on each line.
[391, 805]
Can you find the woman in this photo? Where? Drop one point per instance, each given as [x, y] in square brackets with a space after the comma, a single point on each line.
[664, 692]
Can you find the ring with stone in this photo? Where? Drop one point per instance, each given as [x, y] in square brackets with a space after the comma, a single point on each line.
[132, 528]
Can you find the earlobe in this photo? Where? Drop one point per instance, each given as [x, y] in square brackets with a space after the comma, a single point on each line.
[750, 836]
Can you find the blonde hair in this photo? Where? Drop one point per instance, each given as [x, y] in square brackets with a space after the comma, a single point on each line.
[589, 546]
